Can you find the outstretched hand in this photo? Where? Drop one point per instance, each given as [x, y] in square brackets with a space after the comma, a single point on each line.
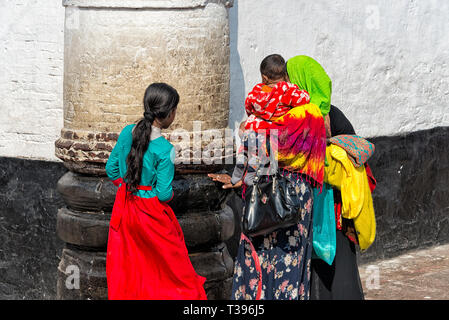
[225, 179]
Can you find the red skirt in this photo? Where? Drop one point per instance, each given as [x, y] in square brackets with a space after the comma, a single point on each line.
[146, 256]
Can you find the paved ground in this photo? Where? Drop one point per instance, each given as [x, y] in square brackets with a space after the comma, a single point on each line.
[417, 275]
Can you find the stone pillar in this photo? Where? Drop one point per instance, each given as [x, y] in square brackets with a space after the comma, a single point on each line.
[113, 50]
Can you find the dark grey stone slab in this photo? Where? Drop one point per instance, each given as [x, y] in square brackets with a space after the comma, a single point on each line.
[411, 199]
[29, 247]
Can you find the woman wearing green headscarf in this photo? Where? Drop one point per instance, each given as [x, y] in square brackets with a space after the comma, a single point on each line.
[341, 279]
[309, 75]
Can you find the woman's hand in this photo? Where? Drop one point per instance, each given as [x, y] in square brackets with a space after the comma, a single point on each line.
[225, 179]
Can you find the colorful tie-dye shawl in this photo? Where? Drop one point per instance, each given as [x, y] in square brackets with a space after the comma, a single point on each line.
[264, 102]
[301, 142]
[297, 134]
[302, 135]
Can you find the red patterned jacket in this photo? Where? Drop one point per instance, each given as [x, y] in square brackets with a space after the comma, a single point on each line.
[264, 102]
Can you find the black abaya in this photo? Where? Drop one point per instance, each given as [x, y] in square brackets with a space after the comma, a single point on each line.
[341, 280]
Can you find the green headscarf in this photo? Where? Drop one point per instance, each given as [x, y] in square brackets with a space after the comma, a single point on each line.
[309, 75]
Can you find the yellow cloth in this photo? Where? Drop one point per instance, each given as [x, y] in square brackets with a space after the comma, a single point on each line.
[357, 202]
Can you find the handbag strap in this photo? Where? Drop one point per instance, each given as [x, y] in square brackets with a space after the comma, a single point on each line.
[271, 166]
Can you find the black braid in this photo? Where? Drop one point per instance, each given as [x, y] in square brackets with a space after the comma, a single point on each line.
[159, 100]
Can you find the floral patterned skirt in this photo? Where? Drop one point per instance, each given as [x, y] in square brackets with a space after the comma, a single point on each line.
[276, 266]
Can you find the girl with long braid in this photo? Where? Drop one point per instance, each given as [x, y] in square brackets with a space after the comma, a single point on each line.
[146, 256]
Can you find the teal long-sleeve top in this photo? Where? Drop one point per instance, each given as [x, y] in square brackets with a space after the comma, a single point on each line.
[158, 165]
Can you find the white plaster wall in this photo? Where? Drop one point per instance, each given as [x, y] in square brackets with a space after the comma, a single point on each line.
[31, 69]
[388, 60]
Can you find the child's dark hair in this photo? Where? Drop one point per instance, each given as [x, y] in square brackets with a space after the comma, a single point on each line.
[159, 100]
[274, 67]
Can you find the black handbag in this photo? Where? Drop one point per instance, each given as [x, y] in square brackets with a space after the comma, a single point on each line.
[271, 203]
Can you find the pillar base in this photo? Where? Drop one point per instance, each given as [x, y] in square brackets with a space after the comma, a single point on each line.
[200, 205]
